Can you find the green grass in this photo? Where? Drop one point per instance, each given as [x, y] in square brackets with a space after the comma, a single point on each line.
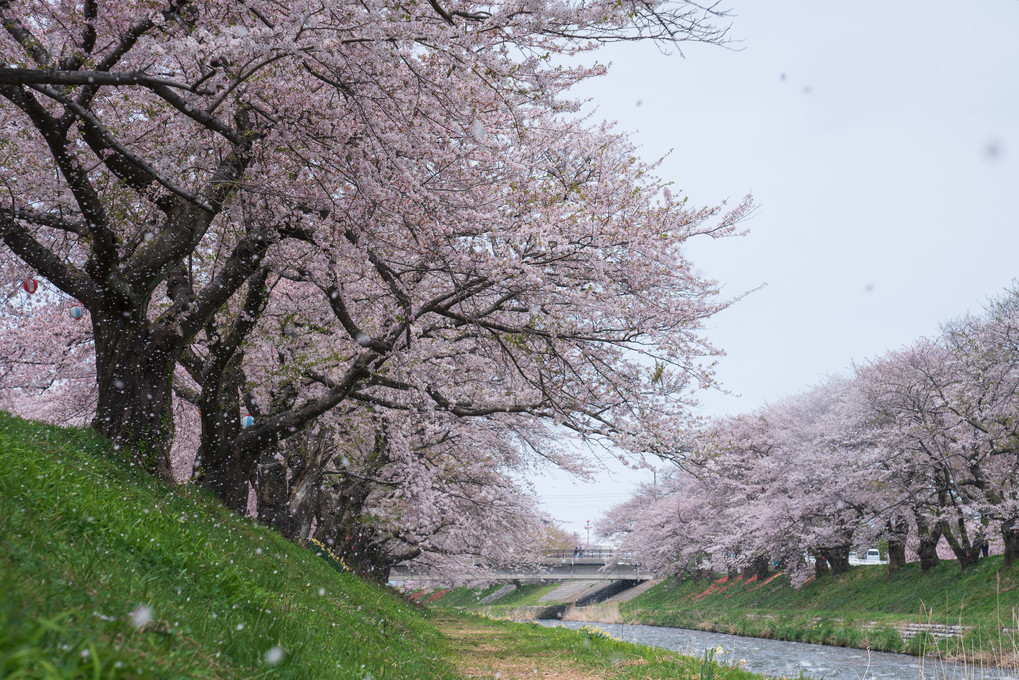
[91, 547]
[524, 650]
[522, 603]
[865, 608]
[527, 595]
[107, 573]
[859, 609]
[464, 596]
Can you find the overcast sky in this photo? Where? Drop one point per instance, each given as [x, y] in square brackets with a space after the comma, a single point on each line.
[880, 140]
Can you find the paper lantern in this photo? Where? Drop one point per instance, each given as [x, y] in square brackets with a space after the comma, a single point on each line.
[77, 311]
[30, 285]
[247, 421]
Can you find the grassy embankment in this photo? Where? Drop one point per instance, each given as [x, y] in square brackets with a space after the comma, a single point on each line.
[521, 604]
[507, 650]
[107, 573]
[866, 608]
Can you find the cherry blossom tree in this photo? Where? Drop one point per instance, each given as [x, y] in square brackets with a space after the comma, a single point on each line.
[428, 494]
[985, 350]
[154, 155]
[672, 527]
[546, 317]
[805, 476]
[47, 358]
[899, 403]
[950, 405]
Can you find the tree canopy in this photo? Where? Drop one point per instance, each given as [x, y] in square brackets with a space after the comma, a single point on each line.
[380, 222]
[917, 448]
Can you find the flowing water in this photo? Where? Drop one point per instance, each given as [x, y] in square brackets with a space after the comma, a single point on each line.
[780, 659]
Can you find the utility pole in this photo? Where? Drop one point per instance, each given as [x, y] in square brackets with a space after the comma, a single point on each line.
[588, 527]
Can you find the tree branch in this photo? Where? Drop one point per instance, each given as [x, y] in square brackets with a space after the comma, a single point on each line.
[68, 278]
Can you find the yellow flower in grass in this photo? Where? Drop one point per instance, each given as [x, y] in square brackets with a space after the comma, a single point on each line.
[595, 632]
[324, 548]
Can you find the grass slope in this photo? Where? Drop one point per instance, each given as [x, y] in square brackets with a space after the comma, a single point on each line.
[107, 573]
[502, 649]
[861, 609]
[461, 596]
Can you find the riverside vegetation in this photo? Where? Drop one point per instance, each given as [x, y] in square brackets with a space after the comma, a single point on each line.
[106, 572]
[865, 608]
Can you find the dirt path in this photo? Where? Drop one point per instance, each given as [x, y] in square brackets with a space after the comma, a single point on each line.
[485, 652]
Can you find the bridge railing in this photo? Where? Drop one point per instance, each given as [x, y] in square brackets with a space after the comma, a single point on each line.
[591, 553]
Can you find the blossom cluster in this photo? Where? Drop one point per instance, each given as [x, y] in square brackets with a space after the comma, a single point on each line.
[916, 448]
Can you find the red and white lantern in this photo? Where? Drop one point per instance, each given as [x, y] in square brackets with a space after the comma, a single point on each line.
[30, 285]
[77, 311]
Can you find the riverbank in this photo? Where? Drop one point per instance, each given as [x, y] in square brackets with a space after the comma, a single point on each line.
[781, 659]
[105, 572]
[944, 613]
[487, 648]
[968, 615]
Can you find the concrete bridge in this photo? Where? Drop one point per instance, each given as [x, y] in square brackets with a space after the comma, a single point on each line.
[556, 566]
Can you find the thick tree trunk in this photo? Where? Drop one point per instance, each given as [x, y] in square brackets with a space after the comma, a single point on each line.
[134, 375]
[288, 502]
[758, 567]
[338, 510]
[363, 549]
[838, 558]
[225, 466]
[897, 534]
[1010, 535]
[966, 551]
[927, 550]
[221, 466]
[821, 565]
[272, 494]
[896, 555]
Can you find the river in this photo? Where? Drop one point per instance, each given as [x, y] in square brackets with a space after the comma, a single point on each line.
[780, 659]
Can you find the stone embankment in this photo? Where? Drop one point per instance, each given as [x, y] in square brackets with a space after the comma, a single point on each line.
[505, 590]
[937, 630]
[608, 612]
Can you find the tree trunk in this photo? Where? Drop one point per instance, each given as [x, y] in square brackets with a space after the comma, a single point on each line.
[271, 496]
[838, 558]
[362, 547]
[897, 534]
[896, 555]
[758, 567]
[1010, 534]
[821, 566]
[288, 502]
[134, 376]
[221, 466]
[927, 551]
[965, 550]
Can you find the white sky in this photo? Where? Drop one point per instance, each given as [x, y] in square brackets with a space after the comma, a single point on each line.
[880, 140]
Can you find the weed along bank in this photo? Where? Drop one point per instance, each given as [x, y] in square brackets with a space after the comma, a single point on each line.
[945, 613]
[109, 573]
